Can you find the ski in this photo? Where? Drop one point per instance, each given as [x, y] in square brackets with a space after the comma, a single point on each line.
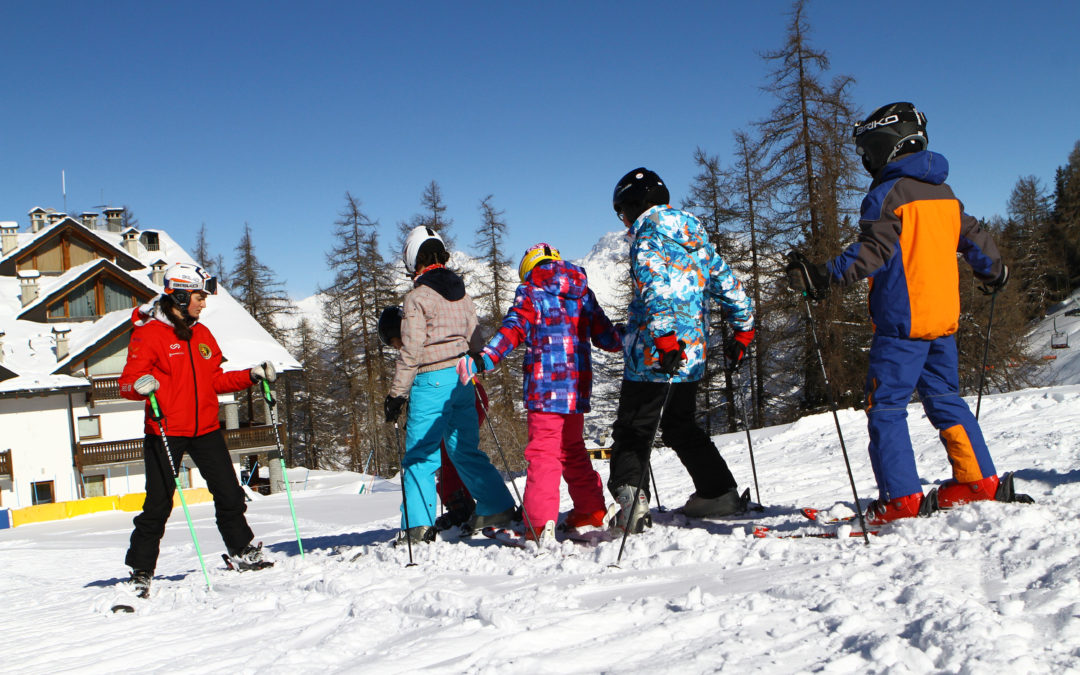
[762, 532]
[815, 515]
[238, 566]
[589, 537]
[505, 535]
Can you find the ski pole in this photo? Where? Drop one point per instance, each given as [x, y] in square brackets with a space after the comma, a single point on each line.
[656, 493]
[644, 474]
[506, 464]
[404, 499]
[281, 457]
[986, 352]
[836, 417]
[160, 419]
[746, 425]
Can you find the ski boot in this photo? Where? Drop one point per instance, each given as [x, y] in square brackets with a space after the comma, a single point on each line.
[458, 512]
[727, 504]
[543, 535]
[140, 582]
[421, 534]
[578, 519]
[250, 558]
[632, 517]
[501, 519]
[883, 511]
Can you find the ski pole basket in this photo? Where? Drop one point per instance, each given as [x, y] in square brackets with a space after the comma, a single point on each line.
[1059, 339]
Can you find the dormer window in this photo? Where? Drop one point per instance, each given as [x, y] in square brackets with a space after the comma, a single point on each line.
[92, 299]
[150, 241]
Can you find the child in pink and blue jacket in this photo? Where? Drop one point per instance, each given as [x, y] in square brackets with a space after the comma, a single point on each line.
[558, 318]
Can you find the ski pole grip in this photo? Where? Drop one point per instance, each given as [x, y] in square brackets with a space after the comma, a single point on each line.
[155, 411]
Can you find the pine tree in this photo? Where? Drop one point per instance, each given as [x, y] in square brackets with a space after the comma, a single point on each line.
[262, 295]
[312, 429]
[1028, 232]
[201, 250]
[708, 197]
[360, 290]
[1066, 216]
[816, 181]
[257, 288]
[497, 289]
[433, 216]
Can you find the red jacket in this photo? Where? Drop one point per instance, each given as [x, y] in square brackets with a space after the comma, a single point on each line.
[189, 373]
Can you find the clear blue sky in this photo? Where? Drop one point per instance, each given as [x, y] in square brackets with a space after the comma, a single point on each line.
[267, 112]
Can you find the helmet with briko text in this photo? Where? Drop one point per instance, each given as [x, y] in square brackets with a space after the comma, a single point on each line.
[421, 240]
[536, 254]
[183, 279]
[890, 131]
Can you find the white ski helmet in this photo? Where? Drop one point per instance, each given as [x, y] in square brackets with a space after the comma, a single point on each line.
[183, 279]
[416, 238]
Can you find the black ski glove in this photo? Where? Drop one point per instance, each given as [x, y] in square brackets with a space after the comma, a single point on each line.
[809, 278]
[392, 407]
[993, 287]
[735, 349]
[669, 353]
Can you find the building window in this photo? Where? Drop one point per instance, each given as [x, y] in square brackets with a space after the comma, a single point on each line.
[150, 241]
[94, 486]
[89, 427]
[92, 299]
[42, 492]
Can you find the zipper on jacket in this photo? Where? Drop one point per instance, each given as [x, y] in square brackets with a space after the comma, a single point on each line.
[195, 381]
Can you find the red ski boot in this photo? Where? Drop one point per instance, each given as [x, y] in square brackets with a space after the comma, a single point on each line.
[881, 511]
[951, 493]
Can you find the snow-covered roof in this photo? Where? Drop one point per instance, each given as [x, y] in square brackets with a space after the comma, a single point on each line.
[29, 364]
[27, 239]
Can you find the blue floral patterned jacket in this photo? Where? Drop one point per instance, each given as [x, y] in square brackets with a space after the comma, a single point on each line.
[675, 272]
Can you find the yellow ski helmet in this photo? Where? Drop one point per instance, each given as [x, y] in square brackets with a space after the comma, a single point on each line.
[536, 254]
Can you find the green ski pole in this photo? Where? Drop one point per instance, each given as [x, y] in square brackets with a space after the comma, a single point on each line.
[160, 419]
[281, 457]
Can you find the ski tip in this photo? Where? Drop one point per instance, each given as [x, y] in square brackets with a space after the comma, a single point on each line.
[811, 514]
[761, 531]
[123, 609]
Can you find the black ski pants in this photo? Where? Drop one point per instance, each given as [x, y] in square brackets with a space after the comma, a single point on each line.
[212, 458]
[635, 421]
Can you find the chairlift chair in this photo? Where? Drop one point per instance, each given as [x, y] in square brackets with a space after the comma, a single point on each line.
[1059, 339]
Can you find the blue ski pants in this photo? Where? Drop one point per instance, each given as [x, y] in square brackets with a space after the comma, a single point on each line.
[441, 409]
[899, 366]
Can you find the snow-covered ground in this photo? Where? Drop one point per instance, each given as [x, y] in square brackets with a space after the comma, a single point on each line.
[985, 588]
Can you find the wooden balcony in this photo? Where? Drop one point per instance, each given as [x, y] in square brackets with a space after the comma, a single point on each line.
[5, 464]
[105, 389]
[130, 450]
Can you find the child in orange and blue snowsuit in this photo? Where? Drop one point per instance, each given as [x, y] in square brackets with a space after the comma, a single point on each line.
[558, 318]
[912, 227]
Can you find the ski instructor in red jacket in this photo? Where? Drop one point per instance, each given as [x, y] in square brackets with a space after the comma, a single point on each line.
[174, 357]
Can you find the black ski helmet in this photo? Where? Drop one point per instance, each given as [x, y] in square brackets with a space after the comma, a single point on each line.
[390, 324]
[888, 132]
[637, 191]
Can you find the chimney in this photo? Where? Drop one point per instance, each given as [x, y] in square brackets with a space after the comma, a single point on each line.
[157, 272]
[55, 217]
[114, 218]
[37, 219]
[28, 285]
[61, 333]
[9, 239]
[89, 219]
[131, 242]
